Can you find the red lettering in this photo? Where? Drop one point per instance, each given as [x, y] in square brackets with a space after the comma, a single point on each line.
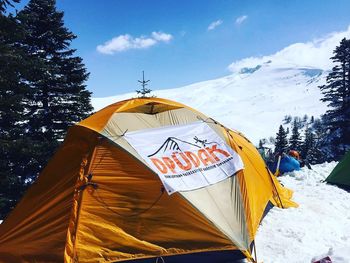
[169, 163]
[204, 157]
[186, 167]
[214, 149]
[193, 158]
[160, 165]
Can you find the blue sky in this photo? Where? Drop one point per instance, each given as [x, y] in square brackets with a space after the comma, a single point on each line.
[182, 50]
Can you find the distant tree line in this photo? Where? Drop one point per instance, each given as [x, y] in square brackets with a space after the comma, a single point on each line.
[42, 92]
[305, 137]
[327, 138]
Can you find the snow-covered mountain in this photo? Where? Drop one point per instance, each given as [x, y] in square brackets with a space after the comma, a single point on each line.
[253, 100]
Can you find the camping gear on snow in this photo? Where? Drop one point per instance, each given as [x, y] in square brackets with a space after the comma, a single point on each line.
[341, 173]
[285, 164]
[294, 154]
[324, 260]
[141, 180]
[289, 164]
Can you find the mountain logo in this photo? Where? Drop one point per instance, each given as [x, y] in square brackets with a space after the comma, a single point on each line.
[174, 144]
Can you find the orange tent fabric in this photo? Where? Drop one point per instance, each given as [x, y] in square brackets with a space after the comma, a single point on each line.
[96, 201]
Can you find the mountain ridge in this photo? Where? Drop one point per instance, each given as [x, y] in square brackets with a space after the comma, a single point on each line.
[253, 101]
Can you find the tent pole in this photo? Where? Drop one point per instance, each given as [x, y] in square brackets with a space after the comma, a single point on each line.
[256, 259]
[278, 166]
[274, 186]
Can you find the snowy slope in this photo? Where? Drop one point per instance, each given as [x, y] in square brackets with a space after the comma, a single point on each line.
[253, 100]
[319, 226]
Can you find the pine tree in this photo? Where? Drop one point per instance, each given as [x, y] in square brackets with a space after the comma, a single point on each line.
[337, 94]
[42, 93]
[305, 118]
[295, 139]
[14, 93]
[310, 149]
[12, 68]
[13, 64]
[144, 91]
[262, 143]
[281, 143]
[261, 147]
[56, 79]
[298, 122]
[4, 4]
[312, 120]
[318, 129]
[59, 95]
[308, 143]
[287, 119]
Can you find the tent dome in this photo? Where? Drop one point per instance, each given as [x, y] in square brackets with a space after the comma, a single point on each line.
[341, 173]
[99, 200]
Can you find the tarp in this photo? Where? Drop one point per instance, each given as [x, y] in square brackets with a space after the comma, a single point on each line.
[287, 164]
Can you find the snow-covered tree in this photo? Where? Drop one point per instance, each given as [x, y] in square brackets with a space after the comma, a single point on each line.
[287, 119]
[310, 148]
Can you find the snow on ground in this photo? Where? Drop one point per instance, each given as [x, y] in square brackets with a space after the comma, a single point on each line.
[320, 226]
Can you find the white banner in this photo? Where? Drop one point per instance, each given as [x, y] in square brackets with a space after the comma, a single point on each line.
[186, 157]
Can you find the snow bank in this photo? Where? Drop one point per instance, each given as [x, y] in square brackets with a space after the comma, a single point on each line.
[320, 226]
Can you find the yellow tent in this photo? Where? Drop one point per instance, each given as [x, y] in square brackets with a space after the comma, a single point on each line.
[97, 200]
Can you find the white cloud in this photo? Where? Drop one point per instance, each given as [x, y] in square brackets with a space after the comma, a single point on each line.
[215, 24]
[125, 42]
[241, 19]
[160, 36]
[315, 53]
